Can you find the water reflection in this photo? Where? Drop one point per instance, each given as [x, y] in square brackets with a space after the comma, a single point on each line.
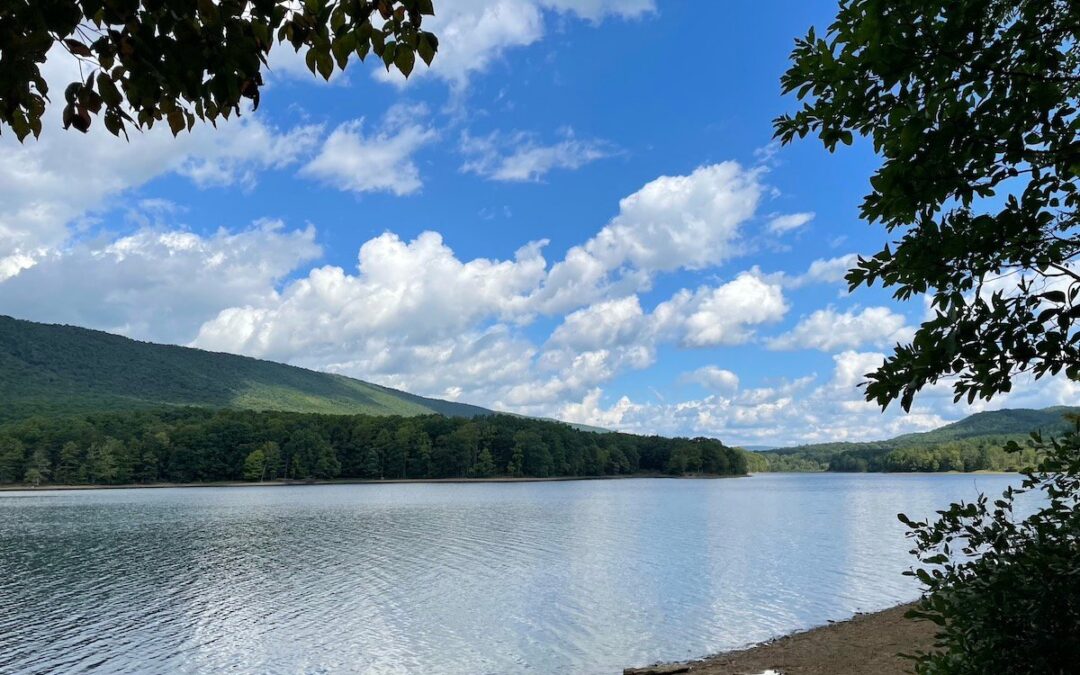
[545, 577]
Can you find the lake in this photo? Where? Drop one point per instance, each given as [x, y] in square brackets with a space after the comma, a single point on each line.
[558, 577]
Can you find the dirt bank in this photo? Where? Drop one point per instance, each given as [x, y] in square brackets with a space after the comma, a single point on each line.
[868, 643]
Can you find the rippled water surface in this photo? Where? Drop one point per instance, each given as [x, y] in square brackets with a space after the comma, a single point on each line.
[566, 577]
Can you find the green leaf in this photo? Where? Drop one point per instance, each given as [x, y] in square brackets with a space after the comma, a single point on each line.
[176, 120]
[20, 125]
[109, 93]
[77, 48]
[389, 54]
[342, 48]
[425, 48]
[324, 63]
[404, 59]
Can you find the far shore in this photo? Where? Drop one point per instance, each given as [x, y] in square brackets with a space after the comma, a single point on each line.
[23, 487]
[866, 643]
[350, 481]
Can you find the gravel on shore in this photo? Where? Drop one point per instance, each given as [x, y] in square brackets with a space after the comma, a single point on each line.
[865, 644]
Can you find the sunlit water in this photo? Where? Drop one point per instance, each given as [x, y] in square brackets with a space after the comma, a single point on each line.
[567, 577]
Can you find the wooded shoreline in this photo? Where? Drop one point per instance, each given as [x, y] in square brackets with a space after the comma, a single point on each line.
[351, 481]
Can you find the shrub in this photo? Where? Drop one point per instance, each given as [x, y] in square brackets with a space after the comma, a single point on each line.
[1005, 592]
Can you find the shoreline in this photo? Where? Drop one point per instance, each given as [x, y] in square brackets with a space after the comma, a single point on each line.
[865, 643]
[23, 487]
[350, 481]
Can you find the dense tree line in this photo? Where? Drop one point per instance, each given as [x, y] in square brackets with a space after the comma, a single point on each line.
[956, 456]
[915, 453]
[982, 454]
[196, 444]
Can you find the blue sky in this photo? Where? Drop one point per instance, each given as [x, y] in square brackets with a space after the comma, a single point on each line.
[577, 212]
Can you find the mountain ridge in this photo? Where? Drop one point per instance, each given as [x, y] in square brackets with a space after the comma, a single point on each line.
[59, 369]
[1007, 422]
[974, 443]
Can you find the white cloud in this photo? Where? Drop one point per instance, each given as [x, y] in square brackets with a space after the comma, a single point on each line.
[473, 34]
[605, 324]
[13, 264]
[595, 10]
[237, 157]
[788, 412]
[829, 330]
[715, 378]
[54, 183]
[521, 157]
[378, 162]
[412, 309]
[673, 222]
[414, 292]
[474, 366]
[812, 410]
[787, 223]
[47, 184]
[723, 315]
[590, 411]
[157, 283]
[824, 271]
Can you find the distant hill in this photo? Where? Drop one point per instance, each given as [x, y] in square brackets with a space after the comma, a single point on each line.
[1015, 422]
[975, 440]
[61, 370]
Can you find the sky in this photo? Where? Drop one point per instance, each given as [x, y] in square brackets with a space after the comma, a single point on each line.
[578, 212]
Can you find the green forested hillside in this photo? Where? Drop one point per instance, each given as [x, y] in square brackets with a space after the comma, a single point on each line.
[64, 370]
[974, 443]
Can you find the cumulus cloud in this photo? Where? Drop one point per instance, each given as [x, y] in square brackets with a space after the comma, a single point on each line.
[829, 330]
[725, 314]
[788, 412]
[608, 323]
[594, 344]
[414, 291]
[52, 182]
[381, 161]
[156, 283]
[809, 409]
[673, 222]
[590, 411]
[715, 378]
[520, 156]
[59, 180]
[411, 309]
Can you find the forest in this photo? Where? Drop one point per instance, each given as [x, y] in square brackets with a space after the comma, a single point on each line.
[183, 445]
[983, 453]
[975, 443]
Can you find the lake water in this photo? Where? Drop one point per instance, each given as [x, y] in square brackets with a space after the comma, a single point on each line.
[562, 577]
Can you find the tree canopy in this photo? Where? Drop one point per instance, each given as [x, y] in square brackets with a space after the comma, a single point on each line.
[972, 105]
[145, 61]
[200, 444]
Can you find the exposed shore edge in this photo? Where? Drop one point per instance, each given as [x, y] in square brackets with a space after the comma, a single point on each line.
[866, 643]
[354, 481]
